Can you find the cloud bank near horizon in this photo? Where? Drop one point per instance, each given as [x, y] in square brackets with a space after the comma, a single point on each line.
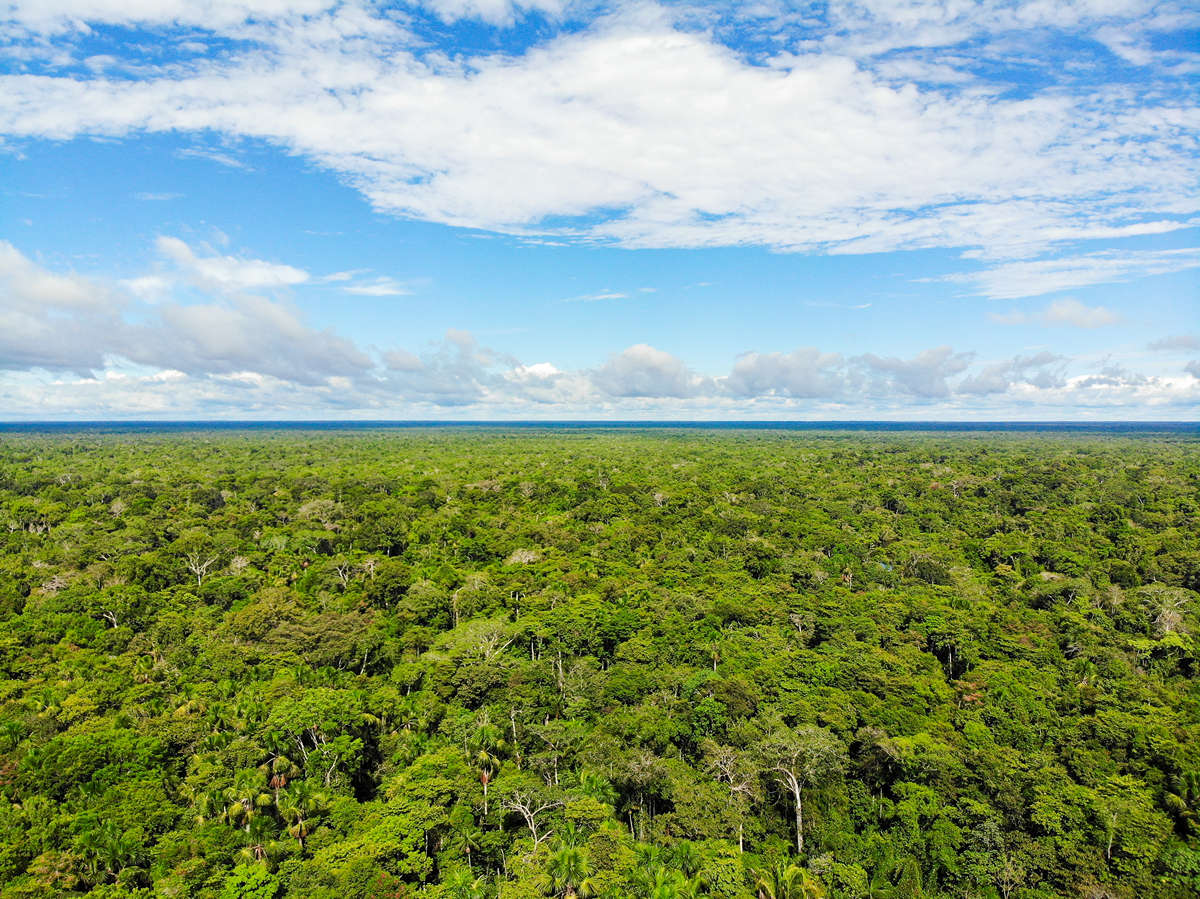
[211, 341]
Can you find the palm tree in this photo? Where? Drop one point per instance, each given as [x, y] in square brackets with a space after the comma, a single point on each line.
[649, 856]
[1183, 801]
[787, 881]
[261, 846]
[106, 851]
[279, 770]
[569, 835]
[488, 743]
[209, 804]
[668, 884]
[463, 884]
[597, 787]
[297, 807]
[488, 766]
[570, 873]
[246, 797]
[466, 838]
[687, 858]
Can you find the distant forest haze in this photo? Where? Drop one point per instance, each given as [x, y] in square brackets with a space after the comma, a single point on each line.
[507, 664]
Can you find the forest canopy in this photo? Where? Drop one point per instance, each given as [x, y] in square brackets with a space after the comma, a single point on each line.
[489, 664]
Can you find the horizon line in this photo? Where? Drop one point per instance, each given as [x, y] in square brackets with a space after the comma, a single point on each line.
[149, 423]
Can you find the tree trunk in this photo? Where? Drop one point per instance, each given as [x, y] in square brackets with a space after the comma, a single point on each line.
[799, 825]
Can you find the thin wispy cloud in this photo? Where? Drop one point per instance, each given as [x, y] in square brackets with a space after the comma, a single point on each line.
[598, 297]
[1014, 280]
[380, 287]
[819, 304]
[1176, 343]
[225, 159]
[1067, 313]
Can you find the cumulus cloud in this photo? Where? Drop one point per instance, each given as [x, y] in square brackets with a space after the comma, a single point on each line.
[638, 125]
[999, 377]
[71, 344]
[248, 333]
[805, 372]
[456, 372]
[68, 322]
[922, 376]
[401, 360]
[53, 321]
[538, 371]
[644, 371]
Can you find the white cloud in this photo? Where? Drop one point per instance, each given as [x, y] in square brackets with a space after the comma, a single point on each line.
[644, 371]
[1013, 280]
[1176, 343]
[455, 372]
[72, 345]
[806, 372]
[401, 360]
[32, 284]
[246, 333]
[922, 376]
[380, 287]
[51, 321]
[1077, 315]
[225, 159]
[68, 15]
[67, 322]
[228, 273]
[598, 297]
[646, 130]
[1113, 387]
[147, 287]
[539, 371]
[496, 12]
[1066, 312]
[999, 377]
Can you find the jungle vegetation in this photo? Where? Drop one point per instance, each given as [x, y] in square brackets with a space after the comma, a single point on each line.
[511, 665]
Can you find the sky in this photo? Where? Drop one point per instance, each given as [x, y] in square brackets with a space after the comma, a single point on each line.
[487, 209]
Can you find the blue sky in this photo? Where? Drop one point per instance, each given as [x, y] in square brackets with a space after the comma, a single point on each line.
[485, 209]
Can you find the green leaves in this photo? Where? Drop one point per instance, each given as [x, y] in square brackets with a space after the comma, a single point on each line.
[504, 666]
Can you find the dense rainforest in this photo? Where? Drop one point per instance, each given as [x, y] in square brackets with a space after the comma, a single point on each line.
[501, 664]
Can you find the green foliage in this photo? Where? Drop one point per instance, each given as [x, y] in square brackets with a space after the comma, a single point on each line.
[250, 882]
[489, 664]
